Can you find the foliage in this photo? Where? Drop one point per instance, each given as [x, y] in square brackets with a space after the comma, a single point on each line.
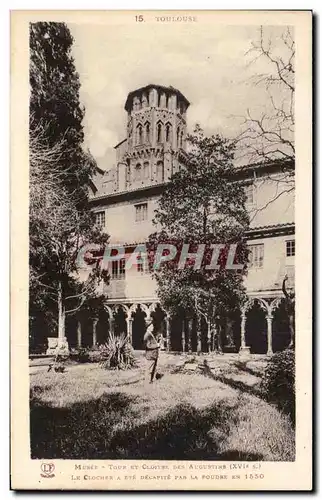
[278, 384]
[54, 99]
[61, 223]
[201, 206]
[85, 355]
[117, 353]
[80, 354]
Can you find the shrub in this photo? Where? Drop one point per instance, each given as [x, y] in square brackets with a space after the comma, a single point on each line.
[117, 353]
[94, 355]
[278, 384]
[81, 355]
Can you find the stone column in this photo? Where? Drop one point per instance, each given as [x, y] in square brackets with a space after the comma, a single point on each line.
[129, 322]
[243, 348]
[79, 334]
[168, 333]
[111, 324]
[269, 319]
[95, 321]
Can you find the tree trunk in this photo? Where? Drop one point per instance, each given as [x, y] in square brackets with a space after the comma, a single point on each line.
[198, 334]
[183, 336]
[219, 336]
[208, 336]
[291, 321]
[189, 325]
[61, 314]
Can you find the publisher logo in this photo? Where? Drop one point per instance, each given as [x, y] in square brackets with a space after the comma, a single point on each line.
[47, 470]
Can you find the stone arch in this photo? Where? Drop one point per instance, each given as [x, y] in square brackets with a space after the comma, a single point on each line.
[138, 172]
[120, 313]
[139, 314]
[275, 304]
[159, 131]
[136, 103]
[109, 310]
[250, 303]
[116, 307]
[146, 170]
[139, 134]
[152, 307]
[147, 132]
[181, 139]
[144, 101]
[160, 171]
[281, 335]
[168, 132]
[255, 312]
[178, 135]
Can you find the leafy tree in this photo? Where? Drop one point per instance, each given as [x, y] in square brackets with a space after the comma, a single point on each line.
[61, 222]
[201, 205]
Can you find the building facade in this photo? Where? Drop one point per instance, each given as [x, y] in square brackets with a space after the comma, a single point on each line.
[124, 199]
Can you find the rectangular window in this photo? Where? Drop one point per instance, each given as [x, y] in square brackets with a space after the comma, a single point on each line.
[100, 219]
[141, 212]
[143, 267]
[249, 192]
[290, 248]
[118, 269]
[256, 256]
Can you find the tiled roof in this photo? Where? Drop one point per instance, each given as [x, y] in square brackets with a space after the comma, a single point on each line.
[272, 226]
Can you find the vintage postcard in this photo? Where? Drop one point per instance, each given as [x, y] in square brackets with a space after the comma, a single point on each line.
[161, 295]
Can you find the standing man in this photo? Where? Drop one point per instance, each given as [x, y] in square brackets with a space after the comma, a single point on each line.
[152, 347]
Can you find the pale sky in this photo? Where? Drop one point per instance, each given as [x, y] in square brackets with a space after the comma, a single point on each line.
[207, 63]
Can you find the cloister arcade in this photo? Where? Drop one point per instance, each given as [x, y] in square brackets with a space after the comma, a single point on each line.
[261, 327]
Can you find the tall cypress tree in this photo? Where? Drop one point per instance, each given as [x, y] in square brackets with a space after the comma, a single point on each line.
[61, 221]
[54, 99]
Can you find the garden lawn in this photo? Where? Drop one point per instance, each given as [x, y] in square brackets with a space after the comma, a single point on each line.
[206, 408]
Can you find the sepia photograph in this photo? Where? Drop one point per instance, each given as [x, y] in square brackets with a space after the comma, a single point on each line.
[162, 287]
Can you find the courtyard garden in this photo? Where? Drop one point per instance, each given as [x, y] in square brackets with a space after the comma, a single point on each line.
[208, 407]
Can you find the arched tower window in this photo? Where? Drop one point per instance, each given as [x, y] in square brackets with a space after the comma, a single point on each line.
[160, 171]
[136, 103]
[139, 134]
[138, 172]
[181, 139]
[159, 132]
[146, 170]
[147, 133]
[178, 134]
[128, 171]
[168, 130]
[144, 101]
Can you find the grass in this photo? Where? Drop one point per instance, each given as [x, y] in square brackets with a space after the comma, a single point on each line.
[213, 412]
